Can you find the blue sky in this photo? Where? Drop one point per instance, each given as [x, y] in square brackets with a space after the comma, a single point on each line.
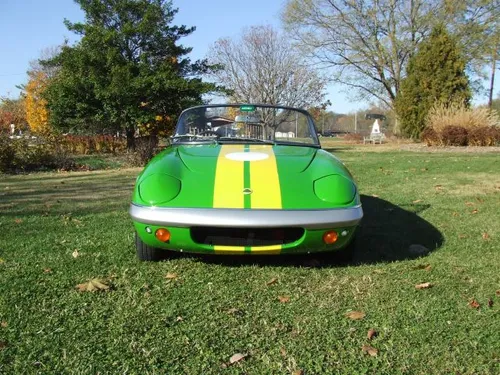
[29, 26]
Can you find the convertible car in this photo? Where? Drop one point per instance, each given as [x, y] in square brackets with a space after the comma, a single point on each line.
[244, 179]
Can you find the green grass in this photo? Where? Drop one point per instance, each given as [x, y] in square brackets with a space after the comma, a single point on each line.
[216, 307]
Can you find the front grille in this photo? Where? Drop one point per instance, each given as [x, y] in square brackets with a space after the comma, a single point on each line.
[245, 236]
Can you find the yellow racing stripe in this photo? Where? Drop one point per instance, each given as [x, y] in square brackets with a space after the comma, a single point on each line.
[264, 180]
[228, 186]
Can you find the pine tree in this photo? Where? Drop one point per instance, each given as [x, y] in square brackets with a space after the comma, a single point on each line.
[435, 74]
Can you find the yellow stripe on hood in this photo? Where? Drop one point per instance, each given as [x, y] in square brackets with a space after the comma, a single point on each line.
[264, 180]
[228, 187]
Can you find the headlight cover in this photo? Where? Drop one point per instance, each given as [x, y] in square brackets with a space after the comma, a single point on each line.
[159, 188]
[335, 189]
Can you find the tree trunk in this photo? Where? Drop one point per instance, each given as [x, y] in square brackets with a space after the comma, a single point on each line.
[130, 138]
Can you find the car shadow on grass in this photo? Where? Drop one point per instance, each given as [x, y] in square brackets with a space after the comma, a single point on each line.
[387, 233]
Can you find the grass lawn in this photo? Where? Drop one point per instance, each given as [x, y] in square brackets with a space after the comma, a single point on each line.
[190, 314]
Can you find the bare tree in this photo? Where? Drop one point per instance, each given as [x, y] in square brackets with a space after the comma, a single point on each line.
[262, 67]
[367, 42]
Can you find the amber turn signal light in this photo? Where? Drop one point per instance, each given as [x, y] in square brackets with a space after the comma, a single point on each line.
[162, 234]
[330, 237]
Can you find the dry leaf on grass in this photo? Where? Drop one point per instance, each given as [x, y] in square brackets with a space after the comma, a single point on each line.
[485, 236]
[93, 285]
[369, 350]
[236, 358]
[438, 187]
[274, 280]
[355, 315]
[475, 211]
[371, 334]
[423, 286]
[284, 299]
[474, 304]
[498, 293]
[426, 267]
[75, 253]
[417, 201]
[3, 324]
[375, 196]
[18, 221]
[47, 270]
[283, 352]
[298, 372]
[490, 302]
[469, 204]
[461, 236]
[171, 276]
[179, 319]
[233, 311]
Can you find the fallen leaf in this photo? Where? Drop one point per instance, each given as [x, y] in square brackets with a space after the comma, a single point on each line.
[475, 211]
[455, 214]
[171, 276]
[284, 299]
[498, 293]
[490, 302]
[47, 270]
[369, 350]
[438, 187]
[179, 319]
[232, 311]
[92, 286]
[75, 253]
[236, 358]
[18, 221]
[375, 196]
[283, 352]
[417, 201]
[272, 281]
[486, 236]
[461, 236]
[424, 169]
[371, 334]
[423, 286]
[298, 372]
[469, 203]
[355, 315]
[3, 324]
[474, 304]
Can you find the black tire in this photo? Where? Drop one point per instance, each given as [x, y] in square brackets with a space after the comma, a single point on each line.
[146, 252]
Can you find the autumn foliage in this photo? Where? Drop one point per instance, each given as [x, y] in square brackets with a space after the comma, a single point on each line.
[37, 114]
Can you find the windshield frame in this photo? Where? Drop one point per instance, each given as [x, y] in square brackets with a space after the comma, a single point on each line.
[215, 140]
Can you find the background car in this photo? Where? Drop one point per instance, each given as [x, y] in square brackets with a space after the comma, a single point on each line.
[244, 179]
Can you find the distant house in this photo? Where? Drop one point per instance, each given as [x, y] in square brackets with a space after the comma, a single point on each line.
[284, 135]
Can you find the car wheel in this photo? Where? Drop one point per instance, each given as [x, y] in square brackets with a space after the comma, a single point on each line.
[146, 252]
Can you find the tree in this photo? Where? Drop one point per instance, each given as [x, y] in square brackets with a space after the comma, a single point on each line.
[436, 74]
[127, 69]
[12, 112]
[35, 105]
[368, 43]
[262, 67]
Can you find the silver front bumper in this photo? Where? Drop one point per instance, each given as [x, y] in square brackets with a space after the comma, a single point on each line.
[225, 217]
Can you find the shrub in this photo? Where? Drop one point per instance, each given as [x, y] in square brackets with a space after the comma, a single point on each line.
[484, 136]
[454, 136]
[145, 149]
[353, 137]
[30, 154]
[457, 114]
[431, 137]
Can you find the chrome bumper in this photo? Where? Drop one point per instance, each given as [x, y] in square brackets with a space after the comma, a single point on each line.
[225, 217]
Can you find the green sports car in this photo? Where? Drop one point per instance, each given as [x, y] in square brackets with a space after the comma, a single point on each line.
[244, 179]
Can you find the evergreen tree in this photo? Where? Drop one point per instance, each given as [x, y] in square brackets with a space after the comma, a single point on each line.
[435, 74]
[127, 69]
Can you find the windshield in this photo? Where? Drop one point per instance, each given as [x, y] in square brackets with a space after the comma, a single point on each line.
[246, 124]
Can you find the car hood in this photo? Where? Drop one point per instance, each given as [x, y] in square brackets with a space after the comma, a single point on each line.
[245, 177]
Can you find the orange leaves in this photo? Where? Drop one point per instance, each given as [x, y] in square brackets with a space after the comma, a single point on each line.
[93, 285]
[284, 299]
[371, 351]
[474, 304]
[371, 334]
